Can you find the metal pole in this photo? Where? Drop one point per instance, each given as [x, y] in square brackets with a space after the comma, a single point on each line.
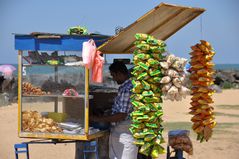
[19, 89]
[86, 101]
[56, 80]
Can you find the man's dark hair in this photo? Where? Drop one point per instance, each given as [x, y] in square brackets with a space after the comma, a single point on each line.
[118, 66]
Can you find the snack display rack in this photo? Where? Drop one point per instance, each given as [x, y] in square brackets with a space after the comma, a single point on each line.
[34, 101]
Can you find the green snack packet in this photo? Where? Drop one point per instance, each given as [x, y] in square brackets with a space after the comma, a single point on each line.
[138, 68]
[155, 42]
[153, 72]
[157, 79]
[151, 81]
[53, 62]
[145, 149]
[154, 80]
[137, 60]
[157, 49]
[137, 42]
[151, 100]
[138, 126]
[136, 90]
[148, 131]
[146, 152]
[132, 96]
[160, 129]
[138, 51]
[138, 135]
[144, 47]
[144, 109]
[144, 65]
[132, 130]
[137, 104]
[150, 106]
[143, 118]
[161, 150]
[157, 56]
[155, 88]
[142, 37]
[135, 121]
[137, 97]
[137, 73]
[142, 56]
[137, 84]
[147, 93]
[150, 125]
[149, 137]
[157, 106]
[143, 76]
[77, 30]
[153, 119]
[146, 85]
[139, 142]
[153, 62]
[136, 113]
[158, 113]
[158, 95]
[134, 82]
[155, 151]
[158, 140]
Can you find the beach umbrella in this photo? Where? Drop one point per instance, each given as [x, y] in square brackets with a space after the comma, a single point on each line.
[7, 70]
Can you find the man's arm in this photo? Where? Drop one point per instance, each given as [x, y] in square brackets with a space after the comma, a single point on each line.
[111, 118]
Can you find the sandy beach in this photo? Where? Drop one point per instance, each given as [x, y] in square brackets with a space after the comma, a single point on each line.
[224, 143]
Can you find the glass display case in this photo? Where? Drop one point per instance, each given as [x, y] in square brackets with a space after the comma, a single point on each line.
[53, 87]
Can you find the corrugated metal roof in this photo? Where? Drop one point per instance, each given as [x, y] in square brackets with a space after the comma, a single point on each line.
[161, 22]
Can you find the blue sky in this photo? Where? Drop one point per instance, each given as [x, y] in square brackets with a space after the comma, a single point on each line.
[219, 23]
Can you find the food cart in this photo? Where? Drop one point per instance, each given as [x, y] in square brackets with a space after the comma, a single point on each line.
[41, 85]
[161, 22]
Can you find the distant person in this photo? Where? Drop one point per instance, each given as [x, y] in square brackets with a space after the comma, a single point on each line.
[7, 84]
[121, 140]
[1, 82]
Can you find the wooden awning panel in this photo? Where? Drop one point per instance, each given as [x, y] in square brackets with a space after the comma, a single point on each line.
[161, 22]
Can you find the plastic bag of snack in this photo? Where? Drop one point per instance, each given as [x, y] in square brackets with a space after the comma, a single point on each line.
[170, 59]
[164, 65]
[165, 79]
[166, 87]
[178, 97]
[184, 91]
[173, 90]
[172, 73]
[177, 82]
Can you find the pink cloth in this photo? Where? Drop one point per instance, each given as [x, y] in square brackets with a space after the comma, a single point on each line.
[93, 60]
[97, 69]
[88, 53]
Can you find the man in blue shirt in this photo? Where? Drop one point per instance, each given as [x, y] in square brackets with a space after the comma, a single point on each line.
[121, 140]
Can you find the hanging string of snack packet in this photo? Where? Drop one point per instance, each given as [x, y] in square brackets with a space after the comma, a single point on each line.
[202, 78]
[146, 99]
